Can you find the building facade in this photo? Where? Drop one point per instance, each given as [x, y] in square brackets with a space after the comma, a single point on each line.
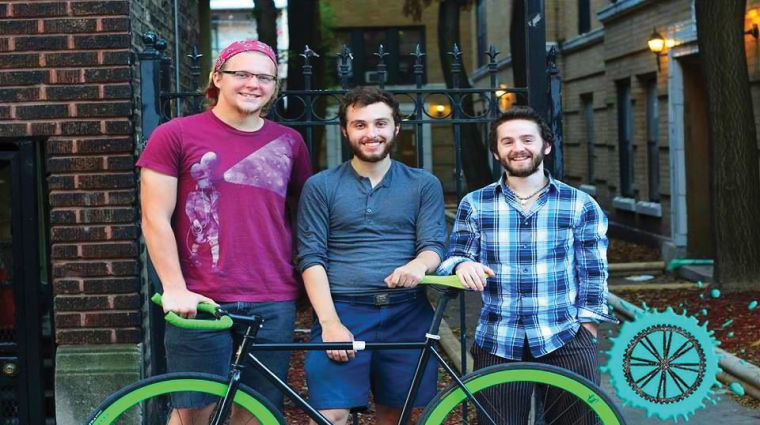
[634, 123]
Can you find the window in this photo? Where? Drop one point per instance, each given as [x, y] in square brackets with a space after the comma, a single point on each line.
[482, 34]
[653, 143]
[625, 138]
[398, 42]
[587, 102]
[584, 16]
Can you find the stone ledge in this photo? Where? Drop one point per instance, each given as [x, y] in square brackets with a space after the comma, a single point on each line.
[86, 374]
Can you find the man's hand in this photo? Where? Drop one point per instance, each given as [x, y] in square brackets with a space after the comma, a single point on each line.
[407, 276]
[334, 331]
[473, 275]
[183, 302]
[590, 326]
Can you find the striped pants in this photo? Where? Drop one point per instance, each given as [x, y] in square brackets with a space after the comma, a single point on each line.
[510, 404]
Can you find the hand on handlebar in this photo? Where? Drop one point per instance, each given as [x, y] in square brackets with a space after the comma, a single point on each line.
[182, 302]
[473, 275]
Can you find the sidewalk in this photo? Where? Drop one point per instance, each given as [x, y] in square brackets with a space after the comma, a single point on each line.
[726, 411]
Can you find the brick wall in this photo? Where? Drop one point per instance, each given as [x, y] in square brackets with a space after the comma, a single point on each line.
[66, 80]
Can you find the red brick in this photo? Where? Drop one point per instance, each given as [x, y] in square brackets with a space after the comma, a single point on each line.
[112, 285]
[110, 250]
[126, 301]
[108, 215]
[18, 26]
[19, 94]
[67, 286]
[24, 78]
[80, 269]
[43, 129]
[72, 92]
[67, 76]
[112, 319]
[125, 268]
[64, 251]
[75, 163]
[40, 42]
[122, 162]
[68, 320]
[12, 130]
[107, 75]
[19, 60]
[102, 41]
[104, 109]
[70, 25]
[106, 181]
[109, 145]
[38, 9]
[71, 59]
[78, 233]
[81, 302]
[84, 8]
[80, 128]
[57, 146]
[119, 127]
[38, 112]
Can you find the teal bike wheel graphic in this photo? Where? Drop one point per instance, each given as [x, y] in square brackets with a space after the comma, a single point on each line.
[571, 394]
[149, 401]
[665, 363]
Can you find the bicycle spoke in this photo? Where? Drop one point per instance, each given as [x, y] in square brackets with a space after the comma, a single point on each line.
[648, 377]
[679, 352]
[679, 381]
[678, 366]
[663, 384]
[666, 343]
[650, 347]
[645, 362]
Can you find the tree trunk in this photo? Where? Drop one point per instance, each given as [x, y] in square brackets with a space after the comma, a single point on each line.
[733, 144]
[266, 21]
[474, 153]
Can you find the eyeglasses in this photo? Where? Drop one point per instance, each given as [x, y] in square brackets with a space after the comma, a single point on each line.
[245, 76]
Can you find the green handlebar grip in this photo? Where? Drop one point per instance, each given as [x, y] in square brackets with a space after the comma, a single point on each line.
[451, 281]
[222, 323]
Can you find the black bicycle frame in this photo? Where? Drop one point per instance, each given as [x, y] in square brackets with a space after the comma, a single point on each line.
[244, 357]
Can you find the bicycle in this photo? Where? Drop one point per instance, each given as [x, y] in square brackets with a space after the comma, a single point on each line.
[147, 400]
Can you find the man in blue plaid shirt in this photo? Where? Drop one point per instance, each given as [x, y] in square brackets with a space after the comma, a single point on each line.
[537, 248]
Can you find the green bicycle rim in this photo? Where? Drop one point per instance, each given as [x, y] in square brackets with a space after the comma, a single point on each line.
[477, 382]
[116, 408]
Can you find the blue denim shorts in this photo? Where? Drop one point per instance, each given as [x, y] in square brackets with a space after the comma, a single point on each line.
[386, 373]
[190, 350]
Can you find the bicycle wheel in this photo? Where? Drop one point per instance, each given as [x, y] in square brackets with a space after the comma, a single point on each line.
[147, 402]
[559, 397]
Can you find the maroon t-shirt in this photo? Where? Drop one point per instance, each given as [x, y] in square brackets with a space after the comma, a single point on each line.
[231, 222]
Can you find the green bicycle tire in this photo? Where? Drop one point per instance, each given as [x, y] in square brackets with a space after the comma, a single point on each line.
[119, 403]
[438, 410]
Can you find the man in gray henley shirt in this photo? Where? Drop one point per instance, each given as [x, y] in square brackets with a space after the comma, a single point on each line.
[368, 231]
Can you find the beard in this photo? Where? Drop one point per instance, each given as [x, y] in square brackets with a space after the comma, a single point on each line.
[356, 149]
[526, 169]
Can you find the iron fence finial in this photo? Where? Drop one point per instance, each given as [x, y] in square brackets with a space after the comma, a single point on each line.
[492, 53]
[307, 55]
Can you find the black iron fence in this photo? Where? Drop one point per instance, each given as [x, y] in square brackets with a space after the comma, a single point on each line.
[314, 109]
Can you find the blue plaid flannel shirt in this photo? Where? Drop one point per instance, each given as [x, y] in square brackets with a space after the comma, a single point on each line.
[550, 264]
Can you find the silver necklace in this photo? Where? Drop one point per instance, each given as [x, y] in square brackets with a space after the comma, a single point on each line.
[524, 200]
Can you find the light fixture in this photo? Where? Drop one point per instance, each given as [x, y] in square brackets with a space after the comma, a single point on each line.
[754, 19]
[656, 44]
[505, 98]
[439, 110]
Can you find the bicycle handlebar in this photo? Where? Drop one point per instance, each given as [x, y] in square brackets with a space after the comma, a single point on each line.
[220, 323]
[225, 322]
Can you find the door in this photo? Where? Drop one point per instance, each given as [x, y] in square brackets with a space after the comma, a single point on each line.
[24, 376]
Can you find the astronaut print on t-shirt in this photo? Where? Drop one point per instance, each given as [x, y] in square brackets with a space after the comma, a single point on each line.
[201, 209]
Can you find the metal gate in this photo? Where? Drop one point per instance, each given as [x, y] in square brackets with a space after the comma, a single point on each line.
[542, 93]
[26, 348]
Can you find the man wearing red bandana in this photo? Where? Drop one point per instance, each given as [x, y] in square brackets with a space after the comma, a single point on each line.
[215, 193]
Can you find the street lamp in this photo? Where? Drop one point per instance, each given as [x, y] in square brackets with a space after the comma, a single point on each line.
[656, 44]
